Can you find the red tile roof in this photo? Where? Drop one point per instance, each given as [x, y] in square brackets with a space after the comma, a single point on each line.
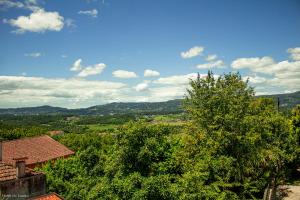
[51, 196]
[38, 150]
[8, 172]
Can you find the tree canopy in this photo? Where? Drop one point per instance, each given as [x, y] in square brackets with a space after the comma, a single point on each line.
[231, 145]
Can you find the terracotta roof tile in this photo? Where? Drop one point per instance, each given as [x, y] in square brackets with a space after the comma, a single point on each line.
[38, 150]
[8, 172]
[51, 196]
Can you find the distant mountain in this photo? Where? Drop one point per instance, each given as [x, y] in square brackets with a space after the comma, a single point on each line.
[172, 106]
[43, 110]
[286, 101]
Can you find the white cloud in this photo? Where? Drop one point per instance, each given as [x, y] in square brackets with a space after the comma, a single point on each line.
[77, 65]
[266, 65]
[213, 64]
[28, 4]
[295, 53]
[149, 72]
[211, 57]
[92, 13]
[11, 4]
[38, 21]
[73, 93]
[33, 91]
[194, 51]
[255, 64]
[124, 74]
[167, 93]
[33, 54]
[141, 87]
[87, 71]
[280, 76]
[64, 56]
[254, 79]
[176, 80]
[92, 70]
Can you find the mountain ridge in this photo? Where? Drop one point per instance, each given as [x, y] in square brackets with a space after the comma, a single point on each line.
[286, 101]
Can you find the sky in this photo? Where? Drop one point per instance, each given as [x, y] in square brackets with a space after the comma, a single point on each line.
[80, 53]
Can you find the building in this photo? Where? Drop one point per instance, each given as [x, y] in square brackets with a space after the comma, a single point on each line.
[18, 158]
[38, 150]
[19, 182]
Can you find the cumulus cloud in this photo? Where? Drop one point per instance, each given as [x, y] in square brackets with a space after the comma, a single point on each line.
[73, 93]
[212, 64]
[124, 74]
[149, 73]
[77, 65]
[295, 53]
[176, 80]
[279, 76]
[167, 93]
[92, 13]
[141, 87]
[33, 54]
[33, 91]
[254, 79]
[255, 63]
[267, 65]
[92, 70]
[211, 57]
[194, 51]
[38, 21]
[87, 71]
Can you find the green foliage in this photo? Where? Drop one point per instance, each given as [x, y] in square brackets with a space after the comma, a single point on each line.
[10, 132]
[229, 145]
[141, 148]
[245, 136]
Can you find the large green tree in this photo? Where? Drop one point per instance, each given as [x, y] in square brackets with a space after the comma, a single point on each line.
[238, 143]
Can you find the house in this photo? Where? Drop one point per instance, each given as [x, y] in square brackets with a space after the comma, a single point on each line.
[38, 150]
[18, 158]
[19, 182]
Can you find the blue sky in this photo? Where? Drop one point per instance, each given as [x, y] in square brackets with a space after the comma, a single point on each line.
[113, 42]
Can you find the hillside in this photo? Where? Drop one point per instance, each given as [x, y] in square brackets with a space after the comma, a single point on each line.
[287, 101]
[172, 106]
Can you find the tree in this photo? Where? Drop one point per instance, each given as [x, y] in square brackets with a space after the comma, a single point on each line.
[239, 140]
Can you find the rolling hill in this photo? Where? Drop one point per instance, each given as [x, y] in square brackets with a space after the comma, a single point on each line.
[286, 101]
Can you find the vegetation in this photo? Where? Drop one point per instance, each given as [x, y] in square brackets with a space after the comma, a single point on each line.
[228, 145]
